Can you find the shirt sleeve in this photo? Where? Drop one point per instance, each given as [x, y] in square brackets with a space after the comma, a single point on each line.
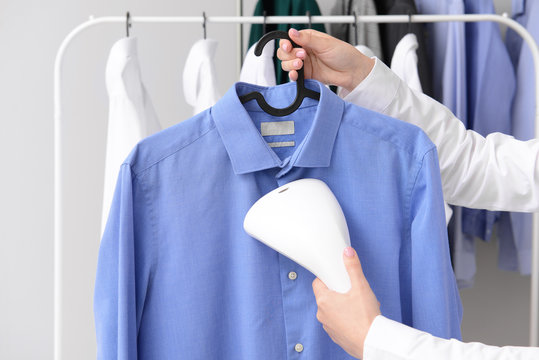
[494, 173]
[435, 304]
[123, 271]
[390, 340]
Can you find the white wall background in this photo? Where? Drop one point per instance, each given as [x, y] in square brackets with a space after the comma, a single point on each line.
[495, 311]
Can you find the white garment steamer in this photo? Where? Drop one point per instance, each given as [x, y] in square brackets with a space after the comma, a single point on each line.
[303, 221]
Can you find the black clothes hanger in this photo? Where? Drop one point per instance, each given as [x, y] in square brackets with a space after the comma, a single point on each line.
[301, 93]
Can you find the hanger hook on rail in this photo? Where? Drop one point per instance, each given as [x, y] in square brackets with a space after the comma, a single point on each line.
[204, 23]
[355, 29]
[310, 20]
[409, 22]
[265, 14]
[127, 23]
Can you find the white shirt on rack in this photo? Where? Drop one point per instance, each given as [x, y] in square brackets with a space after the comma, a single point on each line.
[199, 76]
[404, 61]
[493, 173]
[131, 113]
[259, 70]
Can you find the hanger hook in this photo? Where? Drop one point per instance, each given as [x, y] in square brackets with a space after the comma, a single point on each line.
[409, 21]
[204, 23]
[264, 24]
[127, 23]
[301, 93]
[355, 29]
[310, 22]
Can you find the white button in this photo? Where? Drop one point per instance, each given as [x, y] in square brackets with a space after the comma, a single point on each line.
[292, 275]
[298, 347]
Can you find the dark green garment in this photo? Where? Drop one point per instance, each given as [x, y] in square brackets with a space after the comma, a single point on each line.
[283, 8]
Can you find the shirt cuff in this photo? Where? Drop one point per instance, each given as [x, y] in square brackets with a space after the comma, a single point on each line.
[390, 340]
[376, 91]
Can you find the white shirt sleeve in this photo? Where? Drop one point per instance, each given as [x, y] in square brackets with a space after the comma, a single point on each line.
[390, 340]
[494, 173]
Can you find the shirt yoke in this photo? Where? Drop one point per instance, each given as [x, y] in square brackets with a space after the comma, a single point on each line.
[157, 147]
[404, 136]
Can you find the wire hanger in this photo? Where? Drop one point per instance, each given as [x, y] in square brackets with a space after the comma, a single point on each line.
[348, 10]
[204, 23]
[127, 23]
[264, 27]
[301, 93]
[355, 29]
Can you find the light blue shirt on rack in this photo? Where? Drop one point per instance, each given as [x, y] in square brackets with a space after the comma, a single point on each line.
[490, 89]
[513, 40]
[523, 121]
[179, 278]
[447, 49]
[447, 45]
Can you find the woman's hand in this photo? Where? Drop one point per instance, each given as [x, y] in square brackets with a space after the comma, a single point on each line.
[327, 59]
[347, 317]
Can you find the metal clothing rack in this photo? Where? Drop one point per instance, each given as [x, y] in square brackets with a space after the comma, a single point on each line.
[58, 165]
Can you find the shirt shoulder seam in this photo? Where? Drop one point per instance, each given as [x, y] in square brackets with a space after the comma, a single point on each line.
[414, 183]
[140, 172]
[417, 157]
[153, 243]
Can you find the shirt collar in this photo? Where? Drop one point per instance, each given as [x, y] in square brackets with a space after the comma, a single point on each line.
[247, 149]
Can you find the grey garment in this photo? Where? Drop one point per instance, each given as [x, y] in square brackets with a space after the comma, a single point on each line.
[367, 34]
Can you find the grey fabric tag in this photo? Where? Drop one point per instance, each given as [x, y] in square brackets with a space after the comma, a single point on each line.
[282, 143]
[270, 128]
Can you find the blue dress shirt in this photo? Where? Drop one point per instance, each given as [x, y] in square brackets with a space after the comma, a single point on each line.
[513, 40]
[178, 278]
[448, 54]
[491, 87]
[447, 42]
[527, 13]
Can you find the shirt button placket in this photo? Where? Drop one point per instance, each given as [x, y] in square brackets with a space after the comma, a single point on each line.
[292, 275]
[294, 302]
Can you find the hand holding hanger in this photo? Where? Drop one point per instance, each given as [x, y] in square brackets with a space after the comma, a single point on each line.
[302, 91]
[326, 59]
